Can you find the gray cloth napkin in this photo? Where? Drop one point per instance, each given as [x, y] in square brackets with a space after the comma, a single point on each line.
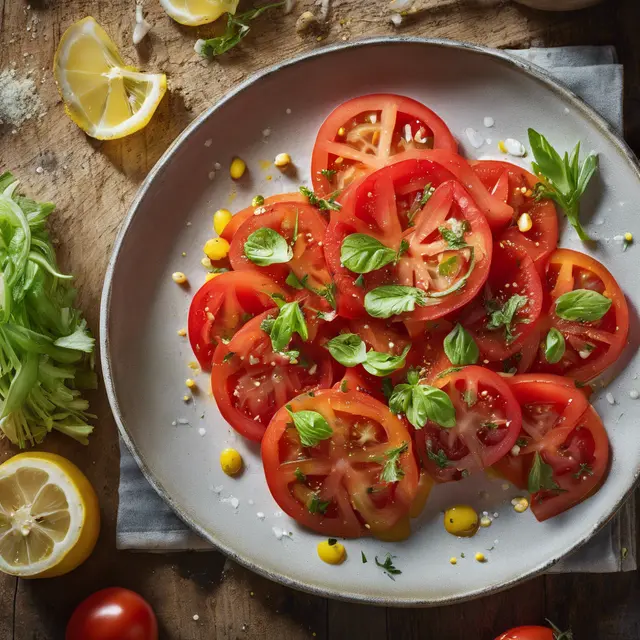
[145, 521]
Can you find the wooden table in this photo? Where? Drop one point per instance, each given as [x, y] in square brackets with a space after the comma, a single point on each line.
[93, 184]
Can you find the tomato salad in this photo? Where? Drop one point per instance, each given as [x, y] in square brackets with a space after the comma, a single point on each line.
[410, 319]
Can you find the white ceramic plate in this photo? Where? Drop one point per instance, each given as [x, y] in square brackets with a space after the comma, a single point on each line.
[145, 362]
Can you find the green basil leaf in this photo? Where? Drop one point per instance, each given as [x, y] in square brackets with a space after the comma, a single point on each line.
[554, 346]
[460, 347]
[392, 300]
[430, 403]
[361, 253]
[505, 316]
[454, 235]
[295, 282]
[382, 364]
[290, 320]
[448, 266]
[541, 476]
[549, 161]
[400, 398]
[584, 305]
[391, 470]
[348, 349]
[311, 426]
[265, 247]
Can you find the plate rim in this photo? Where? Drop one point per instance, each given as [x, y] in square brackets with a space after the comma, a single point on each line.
[520, 65]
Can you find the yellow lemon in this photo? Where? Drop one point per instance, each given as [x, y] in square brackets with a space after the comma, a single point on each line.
[49, 516]
[104, 97]
[195, 12]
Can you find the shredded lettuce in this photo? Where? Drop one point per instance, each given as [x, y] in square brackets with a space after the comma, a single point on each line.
[46, 349]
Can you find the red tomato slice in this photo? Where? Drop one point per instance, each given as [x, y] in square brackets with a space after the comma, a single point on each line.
[250, 382]
[357, 379]
[488, 420]
[514, 185]
[531, 633]
[335, 487]
[512, 273]
[242, 216]
[222, 305]
[591, 347]
[363, 134]
[547, 402]
[427, 353]
[386, 206]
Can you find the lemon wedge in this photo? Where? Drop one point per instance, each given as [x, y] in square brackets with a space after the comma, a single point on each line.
[49, 516]
[104, 97]
[195, 12]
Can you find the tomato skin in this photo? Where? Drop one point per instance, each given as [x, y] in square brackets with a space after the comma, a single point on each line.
[226, 299]
[113, 614]
[527, 633]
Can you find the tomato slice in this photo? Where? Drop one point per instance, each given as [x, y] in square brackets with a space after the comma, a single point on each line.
[547, 402]
[363, 134]
[512, 274]
[243, 215]
[488, 421]
[222, 305]
[590, 347]
[386, 206]
[427, 352]
[342, 473]
[250, 381]
[514, 185]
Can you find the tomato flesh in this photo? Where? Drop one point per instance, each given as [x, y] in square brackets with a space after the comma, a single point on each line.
[528, 633]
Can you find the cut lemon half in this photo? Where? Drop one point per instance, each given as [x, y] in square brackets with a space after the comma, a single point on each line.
[104, 97]
[49, 516]
[195, 12]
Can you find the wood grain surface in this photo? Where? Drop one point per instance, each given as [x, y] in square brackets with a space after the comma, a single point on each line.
[93, 183]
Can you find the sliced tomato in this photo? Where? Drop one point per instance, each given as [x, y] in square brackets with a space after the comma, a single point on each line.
[250, 381]
[590, 347]
[488, 421]
[512, 274]
[427, 353]
[365, 133]
[514, 185]
[547, 402]
[357, 379]
[243, 215]
[335, 487]
[222, 305]
[386, 206]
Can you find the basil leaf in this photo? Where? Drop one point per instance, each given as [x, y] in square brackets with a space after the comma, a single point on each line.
[454, 235]
[361, 253]
[448, 266]
[584, 305]
[382, 364]
[311, 426]
[324, 205]
[400, 398]
[295, 282]
[541, 476]
[290, 320]
[391, 470]
[391, 300]
[265, 247]
[460, 347]
[554, 346]
[348, 349]
[440, 458]
[421, 403]
[505, 316]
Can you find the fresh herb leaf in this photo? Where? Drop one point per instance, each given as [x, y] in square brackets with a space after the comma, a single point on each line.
[448, 266]
[439, 458]
[79, 340]
[312, 427]
[359, 281]
[361, 253]
[267, 324]
[344, 386]
[278, 298]
[562, 179]
[522, 442]
[315, 505]
[329, 174]
[584, 305]
[541, 476]
[237, 28]
[290, 320]
[505, 316]
[265, 247]
[584, 470]
[402, 249]
[554, 346]
[332, 541]
[328, 293]
[363, 557]
[470, 396]
[488, 424]
[229, 355]
[382, 364]
[388, 566]
[324, 205]
[348, 349]
[460, 347]
[426, 194]
[300, 477]
[293, 281]
[454, 235]
[391, 470]
[387, 388]
[392, 300]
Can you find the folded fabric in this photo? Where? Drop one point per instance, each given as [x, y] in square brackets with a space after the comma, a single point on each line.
[147, 523]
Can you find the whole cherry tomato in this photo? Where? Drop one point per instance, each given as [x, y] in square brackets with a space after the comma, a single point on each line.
[535, 633]
[113, 614]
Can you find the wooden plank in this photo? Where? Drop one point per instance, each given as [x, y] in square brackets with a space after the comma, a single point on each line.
[347, 621]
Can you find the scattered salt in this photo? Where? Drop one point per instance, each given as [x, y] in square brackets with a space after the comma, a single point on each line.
[19, 100]
[208, 142]
[260, 515]
[474, 137]
[196, 617]
[202, 431]
[266, 133]
[633, 394]
[488, 121]
[515, 147]
[610, 398]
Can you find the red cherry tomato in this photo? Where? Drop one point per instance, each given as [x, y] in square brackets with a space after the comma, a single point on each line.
[113, 614]
[528, 633]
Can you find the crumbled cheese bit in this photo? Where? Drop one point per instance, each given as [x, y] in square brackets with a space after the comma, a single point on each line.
[610, 398]
[475, 139]
[515, 148]
[488, 121]
[202, 431]
[260, 515]
[515, 450]
[396, 19]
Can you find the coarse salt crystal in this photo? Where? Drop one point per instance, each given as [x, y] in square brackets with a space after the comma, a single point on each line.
[260, 515]
[266, 132]
[633, 394]
[514, 147]
[196, 617]
[488, 121]
[396, 19]
[475, 139]
[202, 431]
[610, 398]
[208, 142]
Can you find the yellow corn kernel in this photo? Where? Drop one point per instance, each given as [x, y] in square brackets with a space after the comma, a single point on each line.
[342, 132]
[453, 560]
[182, 332]
[221, 218]
[179, 277]
[282, 160]
[211, 276]
[628, 237]
[231, 462]
[338, 160]
[480, 557]
[331, 552]
[216, 248]
[502, 147]
[258, 201]
[520, 505]
[190, 383]
[237, 168]
[525, 222]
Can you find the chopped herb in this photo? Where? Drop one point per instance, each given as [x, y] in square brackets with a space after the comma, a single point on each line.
[541, 476]
[403, 248]
[328, 293]
[359, 281]
[522, 442]
[329, 174]
[584, 470]
[448, 266]
[439, 458]
[293, 281]
[492, 426]
[460, 347]
[584, 305]
[324, 205]
[391, 471]
[426, 194]
[343, 386]
[388, 566]
[392, 300]
[454, 235]
[387, 387]
[290, 320]
[229, 355]
[364, 558]
[300, 477]
[470, 397]
[362, 253]
[332, 541]
[554, 346]
[318, 506]
[265, 247]
[505, 315]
